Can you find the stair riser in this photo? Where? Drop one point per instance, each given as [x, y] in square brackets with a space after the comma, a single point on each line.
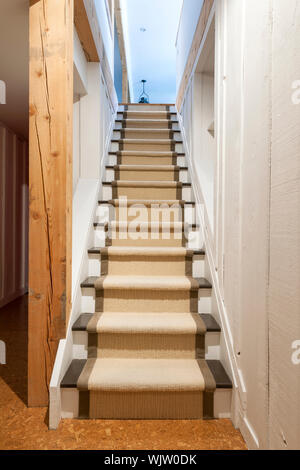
[88, 304]
[103, 238]
[145, 160]
[185, 213]
[145, 115]
[146, 134]
[167, 146]
[167, 345]
[70, 403]
[146, 405]
[153, 266]
[147, 301]
[151, 193]
[140, 175]
[139, 124]
[147, 107]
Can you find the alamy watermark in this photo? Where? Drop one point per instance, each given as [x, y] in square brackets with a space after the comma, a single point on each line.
[296, 93]
[296, 353]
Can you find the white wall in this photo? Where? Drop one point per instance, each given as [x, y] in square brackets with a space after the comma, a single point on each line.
[190, 13]
[107, 30]
[13, 215]
[254, 251]
[284, 281]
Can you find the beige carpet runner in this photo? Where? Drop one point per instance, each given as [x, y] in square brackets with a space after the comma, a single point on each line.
[146, 343]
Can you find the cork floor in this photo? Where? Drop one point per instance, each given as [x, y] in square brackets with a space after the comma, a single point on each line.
[22, 428]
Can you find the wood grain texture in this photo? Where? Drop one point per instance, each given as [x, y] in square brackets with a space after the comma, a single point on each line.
[120, 32]
[50, 186]
[84, 31]
[200, 30]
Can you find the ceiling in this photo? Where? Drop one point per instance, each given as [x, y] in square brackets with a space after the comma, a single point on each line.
[14, 58]
[152, 53]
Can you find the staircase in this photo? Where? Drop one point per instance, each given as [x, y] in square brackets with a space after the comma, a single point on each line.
[141, 348]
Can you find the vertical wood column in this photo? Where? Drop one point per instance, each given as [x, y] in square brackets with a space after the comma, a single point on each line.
[50, 186]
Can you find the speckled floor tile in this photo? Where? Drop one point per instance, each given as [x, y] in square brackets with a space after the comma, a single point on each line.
[23, 428]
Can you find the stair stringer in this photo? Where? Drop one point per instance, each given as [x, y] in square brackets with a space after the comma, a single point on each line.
[65, 352]
[239, 403]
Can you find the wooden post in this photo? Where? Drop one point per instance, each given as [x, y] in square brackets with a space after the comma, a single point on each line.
[120, 32]
[50, 183]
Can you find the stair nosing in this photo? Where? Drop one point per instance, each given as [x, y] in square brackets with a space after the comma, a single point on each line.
[71, 377]
[149, 167]
[89, 283]
[112, 201]
[79, 324]
[115, 182]
[220, 375]
[97, 251]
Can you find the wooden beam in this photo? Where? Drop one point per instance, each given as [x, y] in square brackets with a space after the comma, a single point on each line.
[84, 31]
[199, 33]
[88, 29]
[50, 184]
[120, 32]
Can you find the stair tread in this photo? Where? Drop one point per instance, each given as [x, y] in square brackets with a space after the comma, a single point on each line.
[133, 111]
[73, 373]
[142, 184]
[145, 129]
[142, 374]
[146, 202]
[82, 322]
[220, 375]
[210, 323]
[157, 282]
[147, 167]
[148, 323]
[76, 367]
[115, 223]
[142, 251]
[146, 153]
[146, 141]
[147, 120]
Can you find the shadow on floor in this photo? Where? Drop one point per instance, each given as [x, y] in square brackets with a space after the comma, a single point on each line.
[14, 333]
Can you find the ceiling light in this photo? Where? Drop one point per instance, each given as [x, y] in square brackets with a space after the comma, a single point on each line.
[143, 30]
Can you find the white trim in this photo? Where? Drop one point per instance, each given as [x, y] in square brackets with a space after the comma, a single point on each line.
[208, 25]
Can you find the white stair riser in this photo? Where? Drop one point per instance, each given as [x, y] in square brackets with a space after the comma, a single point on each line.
[132, 133]
[120, 115]
[181, 161]
[198, 267]
[107, 212]
[107, 193]
[195, 240]
[88, 301]
[129, 125]
[70, 403]
[110, 176]
[80, 345]
[115, 147]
